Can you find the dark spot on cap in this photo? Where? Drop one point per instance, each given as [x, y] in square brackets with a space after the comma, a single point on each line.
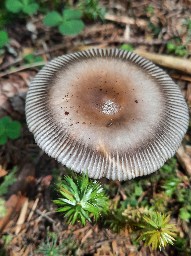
[66, 113]
[109, 123]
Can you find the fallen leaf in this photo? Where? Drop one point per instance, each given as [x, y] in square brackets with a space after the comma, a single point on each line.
[3, 172]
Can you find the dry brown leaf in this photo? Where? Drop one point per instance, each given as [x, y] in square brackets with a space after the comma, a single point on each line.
[88, 234]
[3, 172]
[27, 50]
[104, 250]
[13, 205]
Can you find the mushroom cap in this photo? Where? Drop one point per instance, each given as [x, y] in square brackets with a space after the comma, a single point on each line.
[106, 112]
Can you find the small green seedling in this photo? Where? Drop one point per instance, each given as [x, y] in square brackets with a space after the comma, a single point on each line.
[185, 213]
[53, 247]
[81, 199]
[9, 179]
[170, 185]
[69, 23]
[156, 231]
[150, 9]
[31, 58]
[50, 247]
[92, 9]
[178, 50]
[9, 129]
[155, 29]
[127, 47]
[26, 6]
[2, 208]
[4, 39]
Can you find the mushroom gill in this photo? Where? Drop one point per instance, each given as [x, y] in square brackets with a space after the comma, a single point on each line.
[109, 113]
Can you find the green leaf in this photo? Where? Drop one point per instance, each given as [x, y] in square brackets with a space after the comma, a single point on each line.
[71, 27]
[8, 180]
[9, 128]
[2, 129]
[127, 47]
[4, 39]
[14, 130]
[74, 189]
[31, 58]
[3, 209]
[52, 19]
[184, 214]
[138, 190]
[30, 9]
[72, 14]
[84, 183]
[92, 9]
[171, 47]
[6, 120]
[150, 9]
[14, 6]
[3, 139]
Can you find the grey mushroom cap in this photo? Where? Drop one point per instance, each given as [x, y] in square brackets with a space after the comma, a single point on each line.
[106, 112]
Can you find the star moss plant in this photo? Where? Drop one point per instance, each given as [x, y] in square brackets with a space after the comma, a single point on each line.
[81, 199]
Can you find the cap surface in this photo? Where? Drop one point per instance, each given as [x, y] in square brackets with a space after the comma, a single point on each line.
[107, 112]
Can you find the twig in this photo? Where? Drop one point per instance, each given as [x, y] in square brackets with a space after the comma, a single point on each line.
[167, 61]
[22, 217]
[87, 234]
[135, 41]
[181, 77]
[184, 160]
[11, 64]
[33, 209]
[126, 20]
[28, 66]
[44, 215]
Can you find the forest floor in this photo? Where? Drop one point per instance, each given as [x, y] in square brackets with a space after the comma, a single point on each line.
[31, 221]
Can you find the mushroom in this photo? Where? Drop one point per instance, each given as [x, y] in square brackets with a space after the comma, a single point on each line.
[106, 112]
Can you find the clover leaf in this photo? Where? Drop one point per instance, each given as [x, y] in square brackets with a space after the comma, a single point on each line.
[4, 39]
[26, 6]
[69, 23]
[9, 129]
